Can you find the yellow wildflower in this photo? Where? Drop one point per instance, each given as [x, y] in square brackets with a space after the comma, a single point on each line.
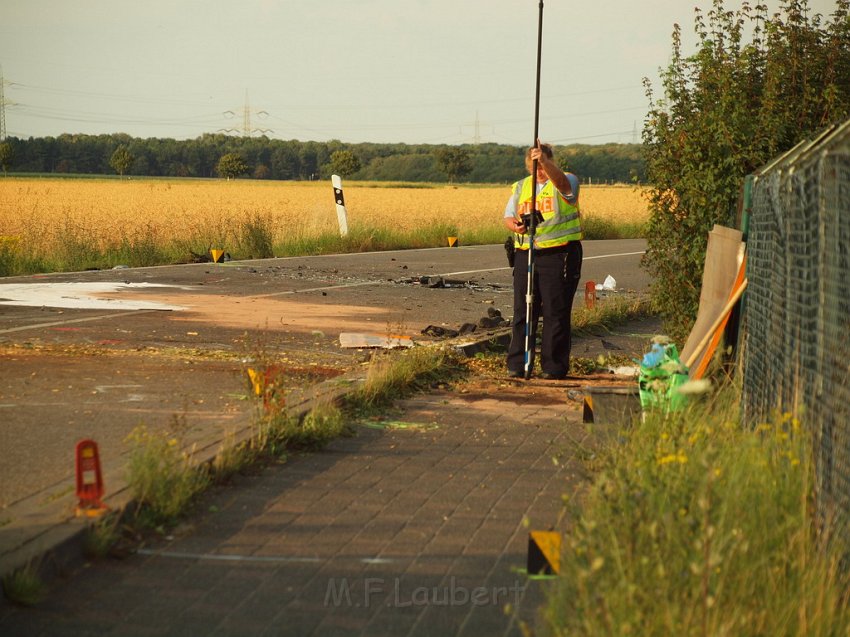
[673, 457]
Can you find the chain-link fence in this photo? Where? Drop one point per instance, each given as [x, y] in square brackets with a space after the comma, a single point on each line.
[796, 350]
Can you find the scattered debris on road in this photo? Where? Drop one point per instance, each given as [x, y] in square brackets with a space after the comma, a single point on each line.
[493, 319]
[439, 282]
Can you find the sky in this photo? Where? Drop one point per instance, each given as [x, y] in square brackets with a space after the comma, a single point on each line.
[408, 71]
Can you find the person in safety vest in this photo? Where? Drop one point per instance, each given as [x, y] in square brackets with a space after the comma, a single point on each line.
[557, 263]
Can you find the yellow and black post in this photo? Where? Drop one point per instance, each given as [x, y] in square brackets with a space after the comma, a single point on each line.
[544, 553]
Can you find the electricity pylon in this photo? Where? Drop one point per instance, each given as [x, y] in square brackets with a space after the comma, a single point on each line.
[2, 108]
[247, 129]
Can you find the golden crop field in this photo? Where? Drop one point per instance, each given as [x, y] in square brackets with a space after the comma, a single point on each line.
[40, 214]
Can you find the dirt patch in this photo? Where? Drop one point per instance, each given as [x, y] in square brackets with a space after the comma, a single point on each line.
[257, 312]
[485, 385]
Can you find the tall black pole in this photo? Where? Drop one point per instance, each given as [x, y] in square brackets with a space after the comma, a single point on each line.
[532, 222]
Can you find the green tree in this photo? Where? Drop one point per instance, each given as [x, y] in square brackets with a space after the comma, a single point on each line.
[231, 166]
[454, 161]
[284, 160]
[121, 160]
[726, 110]
[5, 156]
[344, 163]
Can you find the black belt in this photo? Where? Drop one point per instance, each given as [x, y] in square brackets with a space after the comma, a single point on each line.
[554, 249]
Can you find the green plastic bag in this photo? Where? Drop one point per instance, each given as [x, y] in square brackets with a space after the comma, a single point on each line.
[661, 375]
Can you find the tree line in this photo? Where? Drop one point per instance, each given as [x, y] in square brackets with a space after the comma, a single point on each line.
[220, 155]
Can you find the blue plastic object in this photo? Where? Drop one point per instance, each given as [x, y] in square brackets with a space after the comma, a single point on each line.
[654, 356]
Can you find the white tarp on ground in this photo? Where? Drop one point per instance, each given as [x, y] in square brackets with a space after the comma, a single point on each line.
[88, 295]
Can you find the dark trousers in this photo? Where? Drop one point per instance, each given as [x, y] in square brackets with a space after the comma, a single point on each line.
[556, 276]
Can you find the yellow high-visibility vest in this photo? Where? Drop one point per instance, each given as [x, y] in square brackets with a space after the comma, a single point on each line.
[561, 219]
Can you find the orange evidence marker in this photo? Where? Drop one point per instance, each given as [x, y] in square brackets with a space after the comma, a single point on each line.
[89, 479]
[589, 294]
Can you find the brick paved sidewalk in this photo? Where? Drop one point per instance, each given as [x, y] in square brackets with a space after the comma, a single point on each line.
[404, 530]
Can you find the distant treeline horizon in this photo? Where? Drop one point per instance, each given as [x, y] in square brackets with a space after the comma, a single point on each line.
[266, 158]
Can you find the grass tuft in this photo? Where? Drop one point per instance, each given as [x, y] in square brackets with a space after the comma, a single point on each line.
[609, 312]
[393, 375]
[24, 586]
[161, 475]
[319, 426]
[15, 260]
[256, 239]
[602, 228]
[232, 458]
[101, 536]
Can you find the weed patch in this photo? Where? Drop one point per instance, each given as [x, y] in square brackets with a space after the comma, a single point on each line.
[161, 475]
[101, 536]
[696, 525]
[609, 312]
[393, 375]
[256, 238]
[24, 586]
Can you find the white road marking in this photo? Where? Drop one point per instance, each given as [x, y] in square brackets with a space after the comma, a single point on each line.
[80, 295]
[599, 256]
[621, 254]
[99, 317]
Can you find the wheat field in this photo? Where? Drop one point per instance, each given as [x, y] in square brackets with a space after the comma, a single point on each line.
[43, 216]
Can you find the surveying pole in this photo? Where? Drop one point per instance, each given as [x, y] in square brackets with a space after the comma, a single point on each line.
[531, 222]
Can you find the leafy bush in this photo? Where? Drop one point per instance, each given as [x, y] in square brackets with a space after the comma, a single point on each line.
[727, 110]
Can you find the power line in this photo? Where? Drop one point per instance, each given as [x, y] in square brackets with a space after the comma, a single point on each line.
[249, 116]
[572, 139]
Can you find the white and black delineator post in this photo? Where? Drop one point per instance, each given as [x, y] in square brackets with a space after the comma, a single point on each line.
[341, 214]
[531, 221]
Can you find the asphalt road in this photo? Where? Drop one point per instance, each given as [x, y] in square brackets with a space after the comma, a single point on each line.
[97, 367]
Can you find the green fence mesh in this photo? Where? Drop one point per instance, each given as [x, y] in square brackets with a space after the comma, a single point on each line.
[796, 353]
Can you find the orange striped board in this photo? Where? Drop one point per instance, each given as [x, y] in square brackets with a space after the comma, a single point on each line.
[544, 553]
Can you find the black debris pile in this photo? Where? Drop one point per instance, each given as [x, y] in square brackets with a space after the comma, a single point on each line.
[438, 282]
[493, 319]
